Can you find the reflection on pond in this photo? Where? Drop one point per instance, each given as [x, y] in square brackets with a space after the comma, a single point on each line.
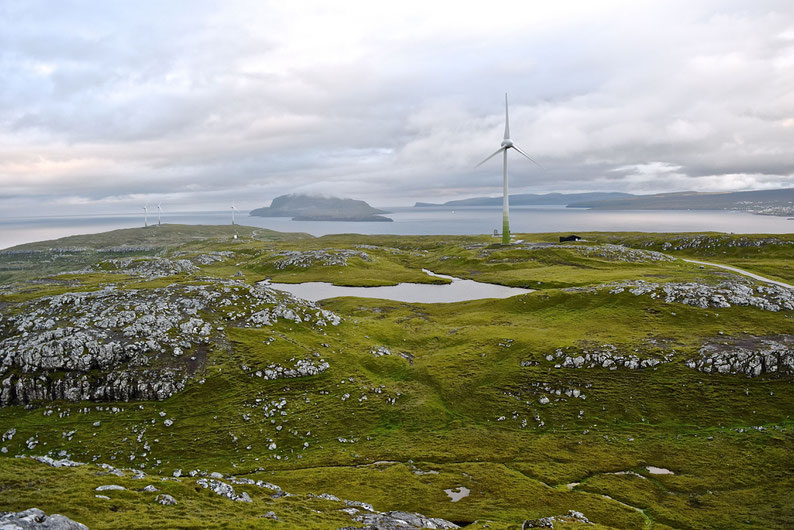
[458, 290]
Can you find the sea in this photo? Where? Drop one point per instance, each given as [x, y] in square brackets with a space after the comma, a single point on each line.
[421, 221]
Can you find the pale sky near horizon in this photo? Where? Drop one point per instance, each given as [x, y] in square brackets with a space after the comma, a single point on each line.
[108, 105]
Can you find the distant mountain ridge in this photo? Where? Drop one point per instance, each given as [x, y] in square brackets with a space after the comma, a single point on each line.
[525, 199]
[311, 208]
[764, 202]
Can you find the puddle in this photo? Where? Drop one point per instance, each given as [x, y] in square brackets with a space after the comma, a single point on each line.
[458, 290]
[458, 493]
[659, 471]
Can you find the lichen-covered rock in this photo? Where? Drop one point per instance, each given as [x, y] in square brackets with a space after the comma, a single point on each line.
[64, 462]
[302, 368]
[618, 253]
[768, 297]
[149, 268]
[110, 487]
[402, 521]
[605, 356]
[223, 489]
[715, 242]
[125, 344]
[34, 519]
[326, 258]
[165, 499]
[750, 356]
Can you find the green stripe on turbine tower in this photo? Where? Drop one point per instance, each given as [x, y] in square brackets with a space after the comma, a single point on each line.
[507, 143]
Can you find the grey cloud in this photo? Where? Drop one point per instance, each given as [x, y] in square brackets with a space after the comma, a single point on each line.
[110, 103]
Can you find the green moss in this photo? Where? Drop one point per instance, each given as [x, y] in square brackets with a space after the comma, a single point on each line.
[452, 405]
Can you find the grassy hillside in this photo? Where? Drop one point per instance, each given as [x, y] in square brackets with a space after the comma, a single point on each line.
[422, 398]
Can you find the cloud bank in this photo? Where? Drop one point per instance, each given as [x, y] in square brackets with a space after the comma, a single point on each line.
[105, 106]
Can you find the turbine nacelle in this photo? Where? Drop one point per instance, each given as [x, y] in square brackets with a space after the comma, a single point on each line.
[507, 142]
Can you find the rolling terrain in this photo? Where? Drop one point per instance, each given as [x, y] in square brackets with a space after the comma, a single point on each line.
[631, 389]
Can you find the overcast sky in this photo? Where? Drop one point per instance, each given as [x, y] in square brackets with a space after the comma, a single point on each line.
[108, 105]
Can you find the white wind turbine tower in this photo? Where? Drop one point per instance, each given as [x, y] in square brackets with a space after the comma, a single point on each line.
[234, 209]
[159, 211]
[145, 215]
[507, 143]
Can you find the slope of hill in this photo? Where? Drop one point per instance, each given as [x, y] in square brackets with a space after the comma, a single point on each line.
[167, 386]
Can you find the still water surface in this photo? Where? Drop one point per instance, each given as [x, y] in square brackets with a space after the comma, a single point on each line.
[422, 221]
[458, 290]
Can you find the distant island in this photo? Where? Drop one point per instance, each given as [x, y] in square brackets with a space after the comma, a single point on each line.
[313, 208]
[762, 202]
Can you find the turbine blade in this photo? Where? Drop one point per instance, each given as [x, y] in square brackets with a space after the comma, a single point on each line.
[529, 157]
[507, 120]
[490, 157]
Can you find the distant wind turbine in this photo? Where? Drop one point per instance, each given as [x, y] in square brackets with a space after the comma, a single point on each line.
[145, 215]
[159, 211]
[233, 210]
[507, 143]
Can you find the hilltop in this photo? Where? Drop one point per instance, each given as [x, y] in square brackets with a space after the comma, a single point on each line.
[311, 208]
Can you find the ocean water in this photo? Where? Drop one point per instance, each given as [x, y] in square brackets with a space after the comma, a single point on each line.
[421, 221]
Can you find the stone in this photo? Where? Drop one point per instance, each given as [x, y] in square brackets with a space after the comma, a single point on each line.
[165, 499]
[224, 490]
[110, 487]
[34, 518]
[402, 520]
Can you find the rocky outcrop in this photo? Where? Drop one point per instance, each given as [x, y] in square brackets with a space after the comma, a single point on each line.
[149, 268]
[223, 489]
[618, 253]
[724, 294]
[750, 356]
[127, 344]
[718, 242]
[302, 368]
[401, 521]
[64, 462]
[35, 519]
[326, 258]
[604, 356]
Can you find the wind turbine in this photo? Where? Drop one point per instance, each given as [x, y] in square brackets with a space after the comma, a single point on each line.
[233, 210]
[507, 143]
[159, 211]
[145, 215]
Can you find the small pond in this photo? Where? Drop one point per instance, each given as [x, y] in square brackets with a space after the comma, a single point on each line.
[458, 493]
[458, 290]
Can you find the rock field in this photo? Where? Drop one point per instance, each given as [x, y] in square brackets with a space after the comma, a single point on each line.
[724, 294]
[327, 258]
[118, 344]
[750, 356]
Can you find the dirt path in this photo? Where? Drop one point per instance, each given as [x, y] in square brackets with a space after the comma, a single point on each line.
[740, 271]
